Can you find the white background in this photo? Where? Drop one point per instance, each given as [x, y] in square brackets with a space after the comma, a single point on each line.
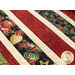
[35, 5]
[37, 70]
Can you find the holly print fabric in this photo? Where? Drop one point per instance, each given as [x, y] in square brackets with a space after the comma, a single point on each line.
[59, 22]
[27, 48]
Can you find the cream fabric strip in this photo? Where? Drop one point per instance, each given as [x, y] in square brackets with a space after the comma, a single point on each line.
[65, 17]
[35, 39]
[13, 50]
[54, 29]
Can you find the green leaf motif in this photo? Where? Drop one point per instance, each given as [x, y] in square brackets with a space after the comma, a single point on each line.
[57, 25]
[66, 29]
[23, 40]
[72, 32]
[56, 14]
[23, 45]
[65, 22]
[47, 18]
[37, 11]
[52, 19]
[73, 36]
[46, 14]
[63, 31]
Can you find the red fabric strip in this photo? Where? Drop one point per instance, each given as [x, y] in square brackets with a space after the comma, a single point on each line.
[69, 13]
[11, 60]
[43, 32]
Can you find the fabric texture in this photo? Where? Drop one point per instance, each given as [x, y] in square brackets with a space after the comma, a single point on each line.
[43, 32]
[26, 47]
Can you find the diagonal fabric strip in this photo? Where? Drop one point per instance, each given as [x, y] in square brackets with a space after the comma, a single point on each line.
[23, 43]
[54, 29]
[69, 13]
[67, 18]
[64, 24]
[10, 59]
[35, 39]
[13, 50]
[3, 61]
[44, 33]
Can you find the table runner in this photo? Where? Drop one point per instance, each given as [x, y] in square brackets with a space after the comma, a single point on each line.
[47, 35]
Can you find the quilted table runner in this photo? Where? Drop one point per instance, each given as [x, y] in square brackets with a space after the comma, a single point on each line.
[37, 37]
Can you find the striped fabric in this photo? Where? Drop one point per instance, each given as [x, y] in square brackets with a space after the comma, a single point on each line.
[47, 37]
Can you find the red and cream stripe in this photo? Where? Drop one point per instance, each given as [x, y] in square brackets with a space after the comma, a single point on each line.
[69, 13]
[19, 58]
[35, 39]
[10, 59]
[54, 29]
[65, 17]
[50, 36]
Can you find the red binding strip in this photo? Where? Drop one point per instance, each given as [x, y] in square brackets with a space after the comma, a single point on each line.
[11, 60]
[43, 32]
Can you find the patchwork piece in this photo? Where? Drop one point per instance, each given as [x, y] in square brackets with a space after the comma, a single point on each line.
[28, 49]
[5, 56]
[3, 61]
[27, 32]
[59, 22]
[70, 13]
[39, 28]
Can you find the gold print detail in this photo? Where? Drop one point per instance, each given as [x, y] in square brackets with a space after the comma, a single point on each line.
[3, 61]
[44, 63]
